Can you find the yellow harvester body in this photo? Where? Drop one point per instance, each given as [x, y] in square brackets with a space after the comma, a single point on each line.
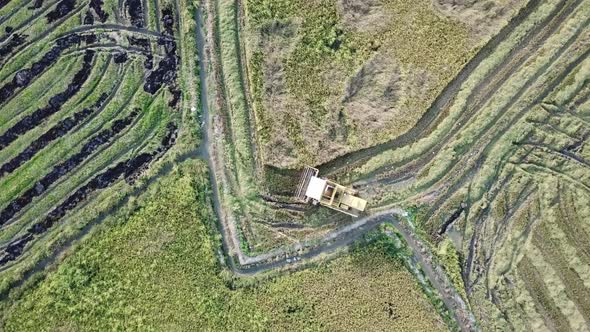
[329, 193]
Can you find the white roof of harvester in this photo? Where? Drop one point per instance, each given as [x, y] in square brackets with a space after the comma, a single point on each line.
[316, 187]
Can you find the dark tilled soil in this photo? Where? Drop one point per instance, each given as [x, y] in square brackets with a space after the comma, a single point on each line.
[15, 41]
[55, 103]
[129, 170]
[59, 130]
[90, 39]
[120, 57]
[168, 21]
[166, 72]
[64, 168]
[23, 77]
[4, 3]
[63, 8]
[88, 18]
[36, 5]
[96, 5]
[149, 62]
[144, 43]
[135, 11]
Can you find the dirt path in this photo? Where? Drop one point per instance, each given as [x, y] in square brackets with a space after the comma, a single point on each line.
[249, 266]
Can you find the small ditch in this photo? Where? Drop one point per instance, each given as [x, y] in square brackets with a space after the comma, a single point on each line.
[23, 77]
[129, 170]
[64, 168]
[57, 131]
[55, 103]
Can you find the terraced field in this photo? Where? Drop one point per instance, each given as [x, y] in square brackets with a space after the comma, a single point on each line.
[497, 164]
[480, 166]
[91, 111]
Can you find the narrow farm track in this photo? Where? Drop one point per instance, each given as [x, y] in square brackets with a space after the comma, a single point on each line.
[330, 244]
[460, 160]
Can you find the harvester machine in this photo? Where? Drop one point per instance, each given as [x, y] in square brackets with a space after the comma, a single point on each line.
[312, 188]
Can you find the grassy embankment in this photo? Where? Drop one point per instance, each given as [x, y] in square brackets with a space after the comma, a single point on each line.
[152, 265]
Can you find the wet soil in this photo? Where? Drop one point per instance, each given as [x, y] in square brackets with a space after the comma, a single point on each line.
[166, 72]
[96, 5]
[168, 21]
[102, 138]
[4, 3]
[63, 8]
[36, 5]
[120, 57]
[135, 12]
[452, 218]
[88, 18]
[129, 170]
[31, 121]
[14, 41]
[59, 130]
[144, 43]
[23, 77]
[90, 39]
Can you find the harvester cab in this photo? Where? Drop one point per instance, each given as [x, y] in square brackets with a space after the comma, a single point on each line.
[327, 193]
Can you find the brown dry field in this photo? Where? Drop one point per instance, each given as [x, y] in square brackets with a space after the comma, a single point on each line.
[393, 58]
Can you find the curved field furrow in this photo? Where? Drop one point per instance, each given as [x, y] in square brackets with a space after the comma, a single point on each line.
[74, 122]
[55, 104]
[63, 169]
[120, 113]
[127, 170]
[96, 154]
[29, 19]
[475, 169]
[430, 119]
[499, 77]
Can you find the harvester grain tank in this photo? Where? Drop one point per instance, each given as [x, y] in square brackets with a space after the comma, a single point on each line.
[328, 193]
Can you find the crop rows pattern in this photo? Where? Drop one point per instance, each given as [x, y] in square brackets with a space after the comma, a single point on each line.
[499, 164]
[90, 99]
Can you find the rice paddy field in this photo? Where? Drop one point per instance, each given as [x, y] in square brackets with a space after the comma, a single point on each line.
[149, 151]
[153, 266]
[489, 156]
[91, 112]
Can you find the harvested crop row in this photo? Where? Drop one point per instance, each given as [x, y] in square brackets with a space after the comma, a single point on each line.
[115, 128]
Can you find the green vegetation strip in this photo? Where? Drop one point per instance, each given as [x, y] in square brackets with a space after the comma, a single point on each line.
[153, 266]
